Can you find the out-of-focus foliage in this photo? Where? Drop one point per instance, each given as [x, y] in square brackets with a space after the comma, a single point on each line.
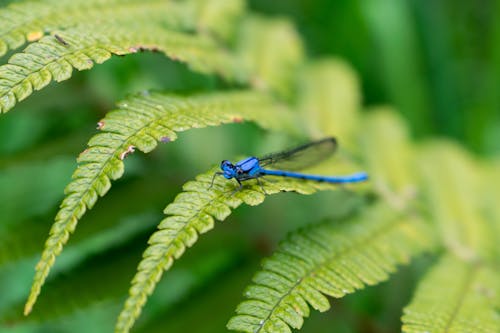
[471, 298]
[271, 81]
[437, 62]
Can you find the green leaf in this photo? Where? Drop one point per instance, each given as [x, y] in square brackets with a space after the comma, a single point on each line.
[389, 156]
[330, 259]
[272, 52]
[488, 199]
[50, 59]
[330, 100]
[455, 296]
[29, 21]
[140, 123]
[219, 16]
[194, 212]
[452, 184]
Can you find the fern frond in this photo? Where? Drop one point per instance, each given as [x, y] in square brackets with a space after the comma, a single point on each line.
[192, 213]
[218, 16]
[455, 296]
[452, 183]
[389, 155]
[330, 100]
[31, 20]
[272, 51]
[53, 58]
[331, 259]
[488, 196]
[141, 122]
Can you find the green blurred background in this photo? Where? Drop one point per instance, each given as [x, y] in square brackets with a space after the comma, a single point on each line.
[437, 62]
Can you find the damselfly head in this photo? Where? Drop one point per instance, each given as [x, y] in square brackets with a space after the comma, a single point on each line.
[228, 169]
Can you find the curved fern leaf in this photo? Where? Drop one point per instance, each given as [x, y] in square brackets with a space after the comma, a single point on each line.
[455, 296]
[219, 16]
[272, 51]
[30, 20]
[192, 213]
[53, 58]
[141, 122]
[488, 196]
[452, 183]
[330, 100]
[389, 156]
[328, 259]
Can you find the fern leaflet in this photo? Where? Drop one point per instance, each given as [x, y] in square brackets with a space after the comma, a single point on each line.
[272, 51]
[218, 16]
[328, 259]
[192, 213]
[451, 178]
[141, 122]
[455, 296]
[330, 100]
[389, 155]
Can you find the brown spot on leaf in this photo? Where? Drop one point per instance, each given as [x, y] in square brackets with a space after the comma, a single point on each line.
[130, 149]
[83, 152]
[100, 125]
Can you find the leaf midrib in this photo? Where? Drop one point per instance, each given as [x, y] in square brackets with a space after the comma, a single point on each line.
[472, 271]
